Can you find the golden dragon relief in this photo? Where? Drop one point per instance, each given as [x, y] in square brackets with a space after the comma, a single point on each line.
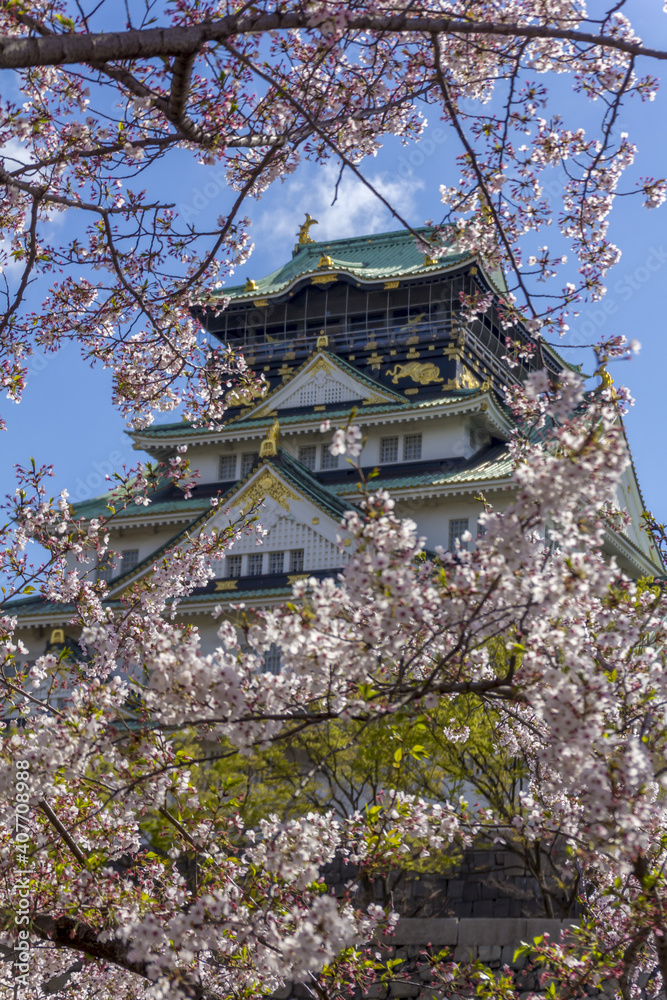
[423, 372]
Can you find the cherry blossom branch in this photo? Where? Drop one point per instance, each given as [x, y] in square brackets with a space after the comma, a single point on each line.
[148, 43]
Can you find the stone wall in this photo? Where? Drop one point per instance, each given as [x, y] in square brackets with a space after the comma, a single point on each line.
[492, 941]
[484, 884]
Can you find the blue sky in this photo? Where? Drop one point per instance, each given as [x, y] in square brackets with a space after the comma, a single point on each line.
[67, 419]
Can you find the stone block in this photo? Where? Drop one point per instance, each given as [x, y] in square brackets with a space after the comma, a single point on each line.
[424, 972]
[438, 931]
[465, 953]
[455, 888]
[489, 952]
[284, 992]
[489, 930]
[536, 926]
[472, 891]
[404, 989]
[501, 908]
[377, 991]
[507, 956]
[483, 908]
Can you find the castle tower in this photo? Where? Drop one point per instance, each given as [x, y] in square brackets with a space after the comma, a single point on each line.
[372, 324]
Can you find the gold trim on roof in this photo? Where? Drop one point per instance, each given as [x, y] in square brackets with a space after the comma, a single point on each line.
[269, 446]
[266, 485]
[422, 372]
[303, 235]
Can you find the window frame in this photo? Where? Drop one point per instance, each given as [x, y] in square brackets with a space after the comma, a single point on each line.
[232, 562]
[384, 443]
[454, 533]
[276, 572]
[123, 555]
[307, 448]
[416, 438]
[226, 458]
[253, 560]
[296, 556]
[248, 459]
[327, 460]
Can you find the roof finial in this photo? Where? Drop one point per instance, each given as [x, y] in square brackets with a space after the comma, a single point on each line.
[269, 446]
[607, 381]
[302, 235]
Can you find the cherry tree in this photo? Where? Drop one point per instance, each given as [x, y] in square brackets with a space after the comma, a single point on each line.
[96, 107]
[566, 651]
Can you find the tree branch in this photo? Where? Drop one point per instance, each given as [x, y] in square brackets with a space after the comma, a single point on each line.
[148, 43]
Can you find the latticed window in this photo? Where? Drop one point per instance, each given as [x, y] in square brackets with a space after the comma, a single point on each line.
[457, 527]
[272, 660]
[276, 562]
[234, 564]
[255, 564]
[412, 447]
[227, 469]
[128, 559]
[247, 462]
[389, 449]
[296, 561]
[308, 456]
[327, 460]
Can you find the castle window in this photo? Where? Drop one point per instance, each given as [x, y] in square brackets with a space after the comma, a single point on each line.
[255, 564]
[128, 559]
[276, 562]
[389, 449]
[227, 469]
[327, 460]
[296, 561]
[457, 527]
[247, 461]
[412, 447]
[234, 564]
[272, 660]
[308, 456]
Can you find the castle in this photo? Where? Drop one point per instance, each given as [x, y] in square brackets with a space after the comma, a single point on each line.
[373, 324]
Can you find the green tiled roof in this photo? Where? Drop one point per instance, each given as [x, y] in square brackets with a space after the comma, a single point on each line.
[97, 507]
[494, 464]
[369, 258]
[332, 411]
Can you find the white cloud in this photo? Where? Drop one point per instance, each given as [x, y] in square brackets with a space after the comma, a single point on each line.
[16, 153]
[357, 209]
